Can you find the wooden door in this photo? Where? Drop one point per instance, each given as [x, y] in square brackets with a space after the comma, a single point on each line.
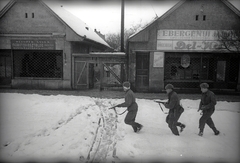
[91, 75]
[142, 72]
[81, 74]
[5, 68]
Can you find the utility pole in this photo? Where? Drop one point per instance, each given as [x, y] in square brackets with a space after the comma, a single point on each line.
[122, 26]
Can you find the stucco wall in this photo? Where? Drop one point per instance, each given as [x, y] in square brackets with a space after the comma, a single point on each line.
[15, 21]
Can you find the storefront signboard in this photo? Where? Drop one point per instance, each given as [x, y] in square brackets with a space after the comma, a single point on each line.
[189, 45]
[190, 40]
[187, 35]
[33, 44]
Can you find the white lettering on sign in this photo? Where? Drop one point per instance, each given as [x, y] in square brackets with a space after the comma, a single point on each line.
[33, 44]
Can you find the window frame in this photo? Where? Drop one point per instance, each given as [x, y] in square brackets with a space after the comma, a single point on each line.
[14, 76]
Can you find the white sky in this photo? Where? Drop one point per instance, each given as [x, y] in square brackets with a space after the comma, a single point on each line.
[105, 16]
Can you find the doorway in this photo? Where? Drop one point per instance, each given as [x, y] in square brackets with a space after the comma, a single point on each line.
[142, 71]
[5, 68]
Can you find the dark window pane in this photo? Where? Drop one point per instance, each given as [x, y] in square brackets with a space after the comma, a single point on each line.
[38, 64]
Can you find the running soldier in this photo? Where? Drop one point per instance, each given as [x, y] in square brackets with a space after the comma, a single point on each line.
[207, 105]
[132, 108]
[175, 110]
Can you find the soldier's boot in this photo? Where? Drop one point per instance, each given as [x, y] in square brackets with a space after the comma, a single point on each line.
[182, 126]
[200, 133]
[216, 132]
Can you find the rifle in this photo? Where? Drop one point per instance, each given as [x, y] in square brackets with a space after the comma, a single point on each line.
[159, 103]
[114, 108]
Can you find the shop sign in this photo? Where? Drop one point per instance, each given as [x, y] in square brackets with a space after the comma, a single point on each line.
[195, 34]
[192, 40]
[189, 45]
[33, 44]
[187, 34]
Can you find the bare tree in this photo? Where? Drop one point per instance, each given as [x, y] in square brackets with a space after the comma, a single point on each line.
[114, 39]
[229, 40]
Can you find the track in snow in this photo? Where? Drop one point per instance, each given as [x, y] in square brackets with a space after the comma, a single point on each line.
[104, 142]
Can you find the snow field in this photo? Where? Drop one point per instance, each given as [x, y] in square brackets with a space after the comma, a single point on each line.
[82, 129]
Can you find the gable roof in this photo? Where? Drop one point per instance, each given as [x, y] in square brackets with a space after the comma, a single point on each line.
[171, 10]
[161, 17]
[76, 24]
[73, 22]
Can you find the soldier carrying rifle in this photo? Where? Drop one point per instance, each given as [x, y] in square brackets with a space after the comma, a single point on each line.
[175, 110]
[132, 108]
[207, 105]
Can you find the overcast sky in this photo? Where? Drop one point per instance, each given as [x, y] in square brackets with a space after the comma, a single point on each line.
[105, 15]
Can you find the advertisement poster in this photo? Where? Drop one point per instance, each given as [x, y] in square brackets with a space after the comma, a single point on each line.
[158, 59]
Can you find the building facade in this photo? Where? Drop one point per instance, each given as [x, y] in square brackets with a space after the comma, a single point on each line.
[183, 47]
[37, 43]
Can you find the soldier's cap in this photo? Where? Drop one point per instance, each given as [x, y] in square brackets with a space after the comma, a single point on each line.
[204, 85]
[169, 86]
[126, 84]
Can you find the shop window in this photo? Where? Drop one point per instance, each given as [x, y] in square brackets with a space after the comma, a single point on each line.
[221, 71]
[188, 67]
[37, 64]
[233, 69]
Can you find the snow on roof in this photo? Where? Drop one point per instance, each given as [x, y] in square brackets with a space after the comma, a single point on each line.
[76, 24]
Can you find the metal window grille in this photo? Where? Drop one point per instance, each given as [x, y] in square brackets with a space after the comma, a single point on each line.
[200, 67]
[38, 64]
[112, 73]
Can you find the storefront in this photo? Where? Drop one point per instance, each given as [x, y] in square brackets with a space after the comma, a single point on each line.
[37, 42]
[185, 50]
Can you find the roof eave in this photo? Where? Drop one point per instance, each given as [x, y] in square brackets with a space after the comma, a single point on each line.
[81, 37]
[232, 7]
[7, 7]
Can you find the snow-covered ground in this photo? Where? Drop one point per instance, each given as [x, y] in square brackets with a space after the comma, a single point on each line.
[82, 129]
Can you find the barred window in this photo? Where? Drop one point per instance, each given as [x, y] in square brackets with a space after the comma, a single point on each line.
[198, 68]
[38, 64]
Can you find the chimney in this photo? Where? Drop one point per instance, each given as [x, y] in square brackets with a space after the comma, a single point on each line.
[99, 34]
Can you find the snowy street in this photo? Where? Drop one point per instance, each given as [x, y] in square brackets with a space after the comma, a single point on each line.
[82, 129]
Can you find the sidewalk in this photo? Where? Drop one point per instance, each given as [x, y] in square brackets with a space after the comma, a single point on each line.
[118, 94]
